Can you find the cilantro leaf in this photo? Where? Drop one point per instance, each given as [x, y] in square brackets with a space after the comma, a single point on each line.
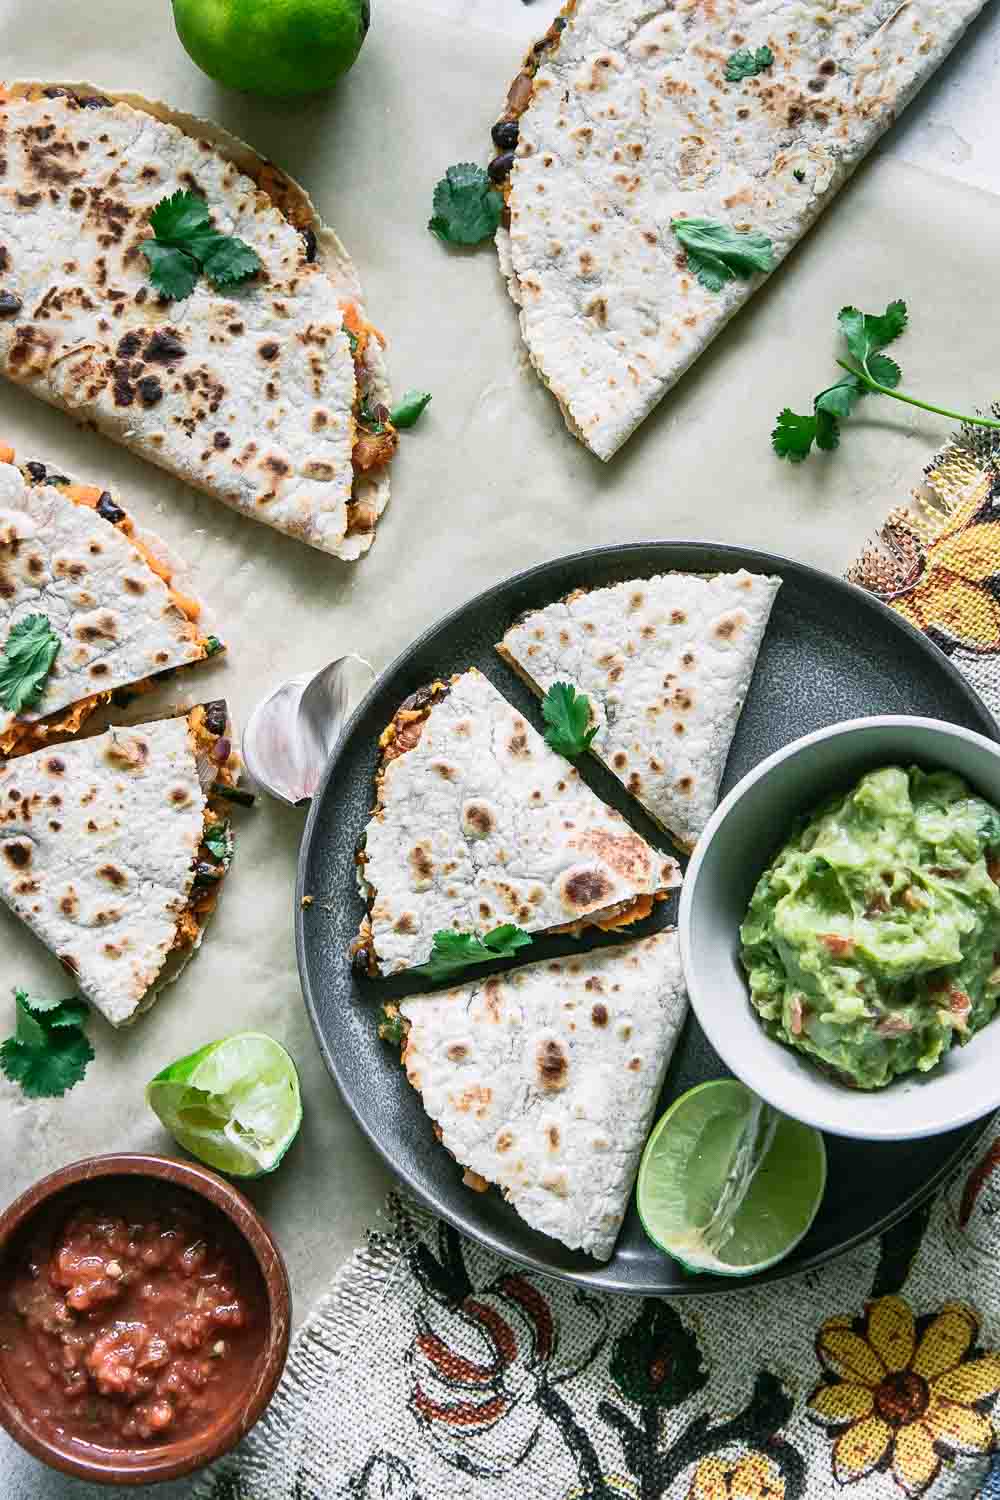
[171, 271]
[884, 370]
[839, 399]
[567, 715]
[745, 63]
[26, 661]
[218, 840]
[793, 435]
[827, 430]
[407, 411]
[391, 1027]
[229, 261]
[454, 951]
[467, 207]
[368, 415]
[179, 216]
[185, 244]
[48, 1052]
[716, 253]
[867, 332]
[213, 645]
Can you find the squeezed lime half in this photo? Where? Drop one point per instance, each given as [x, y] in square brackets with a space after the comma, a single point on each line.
[728, 1184]
[234, 1104]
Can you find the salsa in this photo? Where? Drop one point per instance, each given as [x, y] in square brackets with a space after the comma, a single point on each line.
[872, 941]
[130, 1318]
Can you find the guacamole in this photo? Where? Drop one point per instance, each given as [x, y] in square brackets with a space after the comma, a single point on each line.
[872, 940]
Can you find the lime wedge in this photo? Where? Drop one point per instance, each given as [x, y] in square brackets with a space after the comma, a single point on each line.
[726, 1183]
[233, 1104]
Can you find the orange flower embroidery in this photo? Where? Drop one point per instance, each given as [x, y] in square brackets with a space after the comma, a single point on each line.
[895, 1400]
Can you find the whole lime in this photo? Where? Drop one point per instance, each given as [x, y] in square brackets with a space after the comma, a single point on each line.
[276, 47]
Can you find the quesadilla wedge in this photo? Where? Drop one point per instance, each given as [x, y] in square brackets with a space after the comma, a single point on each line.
[113, 851]
[477, 823]
[544, 1080]
[114, 597]
[261, 393]
[628, 117]
[666, 663]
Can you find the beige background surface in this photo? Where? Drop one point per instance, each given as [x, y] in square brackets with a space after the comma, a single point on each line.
[488, 483]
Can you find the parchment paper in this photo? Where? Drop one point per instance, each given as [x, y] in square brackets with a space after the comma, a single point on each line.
[490, 482]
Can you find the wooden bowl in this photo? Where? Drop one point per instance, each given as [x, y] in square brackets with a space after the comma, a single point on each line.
[165, 1460]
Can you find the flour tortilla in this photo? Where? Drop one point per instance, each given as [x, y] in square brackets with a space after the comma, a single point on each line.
[247, 394]
[482, 824]
[98, 842]
[114, 615]
[544, 1080]
[666, 663]
[632, 124]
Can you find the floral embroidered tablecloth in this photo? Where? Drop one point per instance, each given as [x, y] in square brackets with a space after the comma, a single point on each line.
[436, 1370]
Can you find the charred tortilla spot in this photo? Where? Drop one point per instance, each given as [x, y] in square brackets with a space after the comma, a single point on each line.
[599, 1014]
[551, 1066]
[220, 441]
[134, 585]
[164, 347]
[553, 1135]
[180, 796]
[730, 626]
[586, 890]
[685, 785]
[55, 766]
[268, 351]
[113, 876]
[68, 904]
[503, 1143]
[478, 820]
[406, 923]
[18, 854]
[150, 390]
[620, 760]
[678, 617]
[457, 1051]
[421, 865]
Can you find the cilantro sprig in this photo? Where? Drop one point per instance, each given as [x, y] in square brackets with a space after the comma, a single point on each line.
[717, 253]
[48, 1053]
[218, 840]
[186, 246]
[869, 371]
[26, 661]
[467, 207]
[746, 63]
[567, 717]
[454, 951]
[409, 408]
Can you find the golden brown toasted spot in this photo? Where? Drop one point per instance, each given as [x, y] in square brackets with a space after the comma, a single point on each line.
[553, 1135]
[457, 1051]
[18, 854]
[586, 889]
[504, 1141]
[113, 876]
[551, 1066]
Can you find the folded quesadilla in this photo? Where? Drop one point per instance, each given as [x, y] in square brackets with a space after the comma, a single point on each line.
[70, 553]
[626, 117]
[544, 1080]
[477, 823]
[113, 851]
[262, 393]
[666, 663]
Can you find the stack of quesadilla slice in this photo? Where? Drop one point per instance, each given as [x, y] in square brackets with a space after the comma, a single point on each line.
[267, 393]
[122, 914]
[629, 117]
[70, 553]
[666, 663]
[478, 823]
[544, 1081]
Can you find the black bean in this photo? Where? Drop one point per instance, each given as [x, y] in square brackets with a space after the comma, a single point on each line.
[108, 510]
[359, 964]
[500, 166]
[10, 303]
[310, 241]
[206, 874]
[216, 717]
[505, 134]
[58, 479]
[560, 23]
[53, 93]
[93, 101]
[223, 750]
[36, 470]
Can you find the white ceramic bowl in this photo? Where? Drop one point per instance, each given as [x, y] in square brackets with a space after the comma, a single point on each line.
[748, 828]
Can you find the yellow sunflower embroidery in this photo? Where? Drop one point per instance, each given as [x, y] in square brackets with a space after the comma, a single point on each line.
[894, 1400]
[752, 1477]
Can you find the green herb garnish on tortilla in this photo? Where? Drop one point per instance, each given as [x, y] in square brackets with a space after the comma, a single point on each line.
[218, 841]
[410, 408]
[391, 1026]
[454, 951]
[32, 646]
[717, 253]
[467, 207]
[48, 1052]
[186, 246]
[567, 717]
[746, 63]
[213, 645]
[868, 372]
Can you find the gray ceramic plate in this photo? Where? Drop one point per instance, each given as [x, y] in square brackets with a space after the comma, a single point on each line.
[831, 652]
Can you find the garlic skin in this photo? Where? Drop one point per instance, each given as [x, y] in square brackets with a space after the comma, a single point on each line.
[290, 736]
